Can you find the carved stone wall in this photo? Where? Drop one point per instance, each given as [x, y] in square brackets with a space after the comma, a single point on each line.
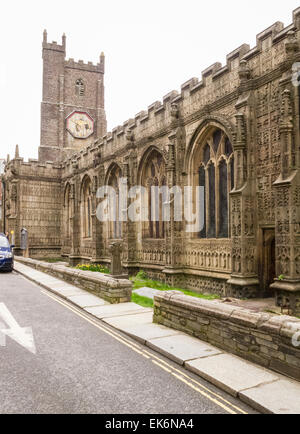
[267, 149]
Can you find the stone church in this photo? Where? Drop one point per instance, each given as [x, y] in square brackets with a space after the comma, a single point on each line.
[235, 133]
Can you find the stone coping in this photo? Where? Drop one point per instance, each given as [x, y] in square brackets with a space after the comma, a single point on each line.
[105, 286]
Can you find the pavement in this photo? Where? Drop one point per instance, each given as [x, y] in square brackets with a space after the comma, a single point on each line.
[264, 390]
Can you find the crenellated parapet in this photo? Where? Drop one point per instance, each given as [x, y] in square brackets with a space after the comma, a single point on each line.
[54, 46]
[18, 168]
[82, 66]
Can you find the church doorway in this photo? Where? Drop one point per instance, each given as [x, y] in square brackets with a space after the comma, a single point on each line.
[268, 261]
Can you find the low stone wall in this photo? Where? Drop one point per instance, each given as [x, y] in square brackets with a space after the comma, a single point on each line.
[261, 338]
[112, 290]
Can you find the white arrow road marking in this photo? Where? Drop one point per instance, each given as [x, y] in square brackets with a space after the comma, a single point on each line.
[2, 336]
[22, 335]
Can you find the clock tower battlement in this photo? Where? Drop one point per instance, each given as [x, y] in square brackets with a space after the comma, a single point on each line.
[72, 110]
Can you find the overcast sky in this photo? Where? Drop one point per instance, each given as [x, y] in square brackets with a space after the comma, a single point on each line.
[151, 48]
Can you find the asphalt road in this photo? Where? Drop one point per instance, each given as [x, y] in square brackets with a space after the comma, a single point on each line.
[83, 366]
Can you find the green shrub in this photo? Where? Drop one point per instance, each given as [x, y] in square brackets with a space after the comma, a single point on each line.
[142, 275]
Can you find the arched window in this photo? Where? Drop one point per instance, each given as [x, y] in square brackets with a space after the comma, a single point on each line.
[213, 169]
[86, 208]
[115, 225]
[79, 87]
[154, 179]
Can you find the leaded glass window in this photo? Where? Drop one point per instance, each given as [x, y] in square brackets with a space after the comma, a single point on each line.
[215, 161]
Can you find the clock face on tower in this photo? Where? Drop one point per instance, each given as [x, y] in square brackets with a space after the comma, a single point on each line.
[80, 125]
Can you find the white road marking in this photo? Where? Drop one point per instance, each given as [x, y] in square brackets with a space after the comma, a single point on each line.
[2, 336]
[22, 335]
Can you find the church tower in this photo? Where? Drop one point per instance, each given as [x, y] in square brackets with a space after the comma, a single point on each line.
[72, 110]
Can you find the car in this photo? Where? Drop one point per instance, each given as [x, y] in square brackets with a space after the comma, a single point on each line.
[6, 254]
